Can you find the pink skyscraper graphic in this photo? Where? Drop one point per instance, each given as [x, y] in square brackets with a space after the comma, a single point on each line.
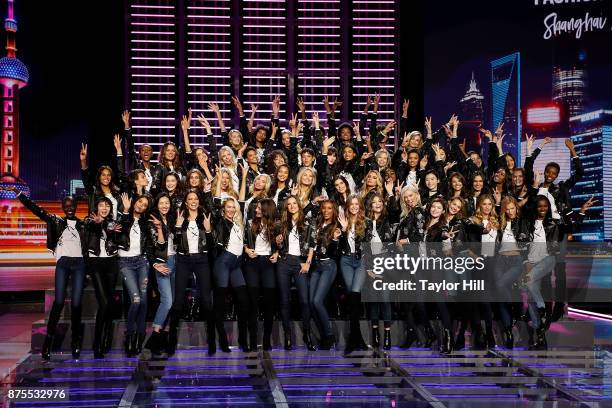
[13, 76]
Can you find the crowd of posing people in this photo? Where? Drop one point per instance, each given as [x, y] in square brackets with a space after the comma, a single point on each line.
[268, 208]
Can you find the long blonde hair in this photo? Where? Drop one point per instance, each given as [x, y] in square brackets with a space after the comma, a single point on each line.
[504, 205]
[379, 184]
[237, 219]
[304, 193]
[479, 217]
[267, 185]
[230, 191]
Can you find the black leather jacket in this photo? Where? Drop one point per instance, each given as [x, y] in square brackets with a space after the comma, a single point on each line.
[55, 225]
[560, 191]
[412, 227]
[250, 237]
[160, 250]
[307, 240]
[521, 231]
[123, 237]
[93, 235]
[205, 239]
[325, 247]
[222, 228]
[345, 247]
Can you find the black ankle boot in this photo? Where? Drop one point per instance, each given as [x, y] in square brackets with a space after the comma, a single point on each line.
[460, 340]
[375, 337]
[211, 336]
[359, 343]
[387, 339]
[154, 342]
[490, 339]
[77, 330]
[447, 342]
[509, 337]
[308, 341]
[430, 335]
[46, 348]
[134, 344]
[478, 339]
[76, 345]
[129, 344]
[327, 342]
[163, 342]
[411, 337]
[267, 335]
[140, 342]
[288, 344]
[545, 319]
[107, 337]
[219, 313]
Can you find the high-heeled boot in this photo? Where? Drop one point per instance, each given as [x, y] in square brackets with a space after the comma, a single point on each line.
[387, 339]
[46, 348]
[430, 335]
[242, 300]
[446, 346]
[288, 342]
[508, 337]
[107, 336]
[140, 341]
[219, 312]
[77, 331]
[210, 333]
[411, 337]
[360, 344]
[375, 337]
[460, 340]
[173, 332]
[154, 342]
[253, 317]
[307, 340]
[54, 316]
[269, 302]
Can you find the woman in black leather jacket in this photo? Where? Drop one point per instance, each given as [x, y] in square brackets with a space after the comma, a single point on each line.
[194, 242]
[228, 234]
[353, 224]
[514, 234]
[258, 267]
[296, 244]
[66, 238]
[161, 227]
[103, 268]
[135, 251]
[379, 234]
[323, 275]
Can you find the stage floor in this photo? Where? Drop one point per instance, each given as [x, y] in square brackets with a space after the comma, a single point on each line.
[398, 378]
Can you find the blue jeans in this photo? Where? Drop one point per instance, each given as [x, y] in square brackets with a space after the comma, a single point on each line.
[165, 285]
[321, 280]
[288, 269]
[69, 268]
[228, 270]
[507, 271]
[353, 272]
[134, 270]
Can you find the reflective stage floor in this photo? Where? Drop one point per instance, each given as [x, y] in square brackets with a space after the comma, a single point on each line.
[398, 378]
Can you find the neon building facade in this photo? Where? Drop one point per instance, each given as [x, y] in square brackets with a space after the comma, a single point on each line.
[506, 100]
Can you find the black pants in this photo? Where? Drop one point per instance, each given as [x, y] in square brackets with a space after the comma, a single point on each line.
[103, 272]
[186, 265]
[260, 279]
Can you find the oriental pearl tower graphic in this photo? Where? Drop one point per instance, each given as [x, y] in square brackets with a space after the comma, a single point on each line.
[13, 76]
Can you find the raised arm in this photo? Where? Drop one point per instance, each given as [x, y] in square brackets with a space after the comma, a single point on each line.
[578, 169]
[185, 125]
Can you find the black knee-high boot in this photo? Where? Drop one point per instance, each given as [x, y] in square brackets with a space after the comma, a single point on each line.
[242, 305]
[175, 318]
[253, 317]
[54, 316]
[219, 312]
[269, 303]
[77, 330]
[355, 341]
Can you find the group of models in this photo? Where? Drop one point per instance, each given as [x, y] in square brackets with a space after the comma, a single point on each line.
[263, 208]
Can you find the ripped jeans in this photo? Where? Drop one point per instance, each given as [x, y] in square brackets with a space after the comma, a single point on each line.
[134, 271]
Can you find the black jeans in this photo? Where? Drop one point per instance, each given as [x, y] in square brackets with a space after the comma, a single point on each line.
[289, 269]
[186, 265]
[103, 272]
